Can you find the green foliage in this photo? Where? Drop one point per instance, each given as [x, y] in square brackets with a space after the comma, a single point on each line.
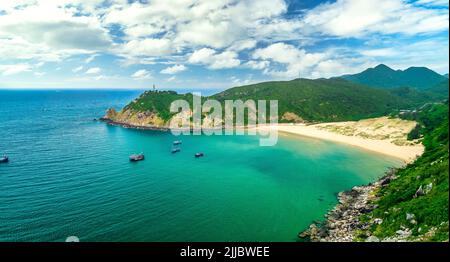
[415, 133]
[441, 88]
[325, 99]
[398, 198]
[158, 102]
[313, 100]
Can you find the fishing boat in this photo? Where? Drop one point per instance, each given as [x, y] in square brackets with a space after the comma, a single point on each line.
[4, 159]
[176, 150]
[137, 157]
[177, 142]
[197, 155]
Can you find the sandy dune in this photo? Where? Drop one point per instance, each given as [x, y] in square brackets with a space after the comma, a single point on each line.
[381, 135]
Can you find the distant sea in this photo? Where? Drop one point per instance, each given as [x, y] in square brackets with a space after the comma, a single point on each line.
[70, 176]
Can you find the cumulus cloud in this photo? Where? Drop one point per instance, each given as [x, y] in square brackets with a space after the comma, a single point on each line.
[147, 47]
[44, 30]
[93, 71]
[142, 74]
[380, 52]
[77, 69]
[353, 18]
[259, 35]
[214, 60]
[296, 61]
[173, 69]
[257, 65]
[91, 58]
[7, 70]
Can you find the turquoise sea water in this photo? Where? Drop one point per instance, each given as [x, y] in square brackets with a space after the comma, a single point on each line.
[70, 175]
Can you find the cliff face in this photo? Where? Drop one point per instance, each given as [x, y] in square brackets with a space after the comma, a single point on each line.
[134, 118]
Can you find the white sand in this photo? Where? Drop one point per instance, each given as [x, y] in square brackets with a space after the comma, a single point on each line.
[407, 153]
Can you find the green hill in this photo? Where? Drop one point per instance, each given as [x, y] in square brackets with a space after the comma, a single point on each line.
[441, 88]
[327, 99]
[308, 100]
[157, 102]
[385, 77]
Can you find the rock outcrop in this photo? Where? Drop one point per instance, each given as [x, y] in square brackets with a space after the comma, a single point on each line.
[342, 223]
[133, 119]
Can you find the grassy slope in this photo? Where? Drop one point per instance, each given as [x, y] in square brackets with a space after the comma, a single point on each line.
[314, 100]
[397, 199]
[442, 88]
[324, 99]
[158, 102]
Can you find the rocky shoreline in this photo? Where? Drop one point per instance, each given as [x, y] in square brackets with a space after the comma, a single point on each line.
[342, 222]
[127, 125]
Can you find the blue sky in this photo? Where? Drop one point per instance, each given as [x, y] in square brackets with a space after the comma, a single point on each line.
[212, 44]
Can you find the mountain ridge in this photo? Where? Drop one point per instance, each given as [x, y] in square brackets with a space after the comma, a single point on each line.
[382, 76]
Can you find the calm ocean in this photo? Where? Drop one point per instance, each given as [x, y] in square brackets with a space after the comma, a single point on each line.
[70, 176]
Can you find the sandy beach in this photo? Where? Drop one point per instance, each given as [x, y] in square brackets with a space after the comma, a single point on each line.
[381, 135]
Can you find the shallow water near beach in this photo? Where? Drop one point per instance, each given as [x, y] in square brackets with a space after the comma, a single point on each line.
[70, 176]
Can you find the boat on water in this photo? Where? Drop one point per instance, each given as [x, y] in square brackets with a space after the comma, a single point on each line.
[4, 159]
[197, 155]
[176, 150]
[137, 157]
[177, 142]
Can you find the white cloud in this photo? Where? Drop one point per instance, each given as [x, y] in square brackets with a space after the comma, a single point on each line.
[173, 69]
[337, 67]
[100, 77]
[257, 65]
[93, 71]
[91, 58]
[142, 74]
[432, 53]
[380, 52]
[39, 74]
[297, 62]
[219, 34]
[353, 18]
[214, 60]
[7, 70]
[243, 45]
[78, 69]
[146, 47]
[45, 29]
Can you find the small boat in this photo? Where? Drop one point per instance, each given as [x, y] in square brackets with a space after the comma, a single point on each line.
[197, 155]
[137, 157]
[4, 159]
[175, 150]
[177, 142]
